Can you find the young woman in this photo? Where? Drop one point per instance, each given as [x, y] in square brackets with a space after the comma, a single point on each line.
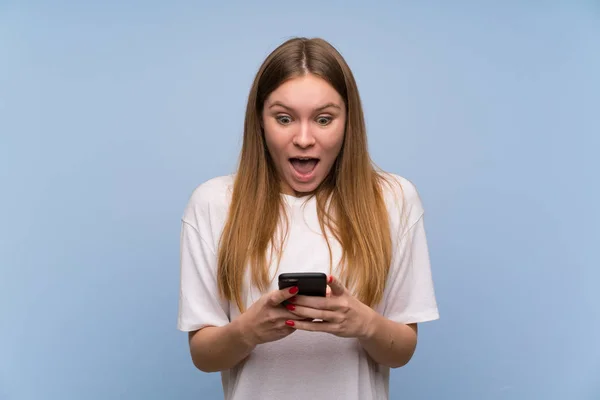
[305, 198]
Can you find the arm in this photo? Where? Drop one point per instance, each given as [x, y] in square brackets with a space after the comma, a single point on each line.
[388, 334]
[391, 336]
[390, 343]
[219, 348]
[215, 343]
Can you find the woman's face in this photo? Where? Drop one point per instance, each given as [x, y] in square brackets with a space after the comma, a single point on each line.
[304, 121]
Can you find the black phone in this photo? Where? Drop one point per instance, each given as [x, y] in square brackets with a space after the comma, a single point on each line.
[309, 283]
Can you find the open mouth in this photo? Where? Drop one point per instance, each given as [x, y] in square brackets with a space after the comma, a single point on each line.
[304, 165]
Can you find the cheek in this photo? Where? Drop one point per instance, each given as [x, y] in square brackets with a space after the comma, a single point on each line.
[274, 140]
[333, 143]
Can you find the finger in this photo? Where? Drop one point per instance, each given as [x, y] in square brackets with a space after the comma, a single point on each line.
[327, 327]
[311, 313]
[318, 302]
[280, 315]
[328, 291]
[279, 296]
[337, 288]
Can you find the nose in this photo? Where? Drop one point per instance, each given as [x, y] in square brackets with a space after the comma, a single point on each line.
[304, 137]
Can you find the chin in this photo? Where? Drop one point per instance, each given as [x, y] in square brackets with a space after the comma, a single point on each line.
[306, 188]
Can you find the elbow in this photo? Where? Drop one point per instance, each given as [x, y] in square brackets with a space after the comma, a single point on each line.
[204, 366]
[200, 359]
[401, 360]
[204, 362]
[407, 351]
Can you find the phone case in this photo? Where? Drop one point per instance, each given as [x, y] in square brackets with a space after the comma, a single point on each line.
[309, 283]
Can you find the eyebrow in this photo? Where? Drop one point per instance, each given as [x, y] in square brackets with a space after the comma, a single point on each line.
[321, 108]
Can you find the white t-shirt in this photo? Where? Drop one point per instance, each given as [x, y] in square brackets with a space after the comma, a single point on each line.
[303, 365]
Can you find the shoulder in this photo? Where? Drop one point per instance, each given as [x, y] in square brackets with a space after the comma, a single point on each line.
[208, 200]
[402, 200]
[399, 191]
[213, 190]
[397, 188]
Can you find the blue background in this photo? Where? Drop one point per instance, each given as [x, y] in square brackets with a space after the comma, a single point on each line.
[112, 112]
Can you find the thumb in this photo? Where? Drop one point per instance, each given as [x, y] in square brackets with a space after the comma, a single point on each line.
[337, 288]
[279, 296]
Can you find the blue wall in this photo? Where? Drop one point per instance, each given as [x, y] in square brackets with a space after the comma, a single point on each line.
[111, 113]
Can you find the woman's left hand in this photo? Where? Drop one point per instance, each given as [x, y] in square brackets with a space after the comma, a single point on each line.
[341, 313]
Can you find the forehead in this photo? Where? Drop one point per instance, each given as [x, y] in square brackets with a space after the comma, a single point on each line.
[305, 93]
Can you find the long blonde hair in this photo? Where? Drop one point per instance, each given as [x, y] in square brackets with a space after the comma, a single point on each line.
[350, 201]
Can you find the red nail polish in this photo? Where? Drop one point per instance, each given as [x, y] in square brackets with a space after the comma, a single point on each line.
[291, 307]
[289, 323]
[294, 290]
[330, 278]
[292, 299]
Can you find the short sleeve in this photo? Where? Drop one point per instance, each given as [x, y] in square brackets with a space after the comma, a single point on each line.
[410, 291]
[199, 302]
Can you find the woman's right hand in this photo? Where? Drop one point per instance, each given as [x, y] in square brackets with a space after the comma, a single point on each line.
[268, 320]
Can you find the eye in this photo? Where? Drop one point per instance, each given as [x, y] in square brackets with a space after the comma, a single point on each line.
[323, 120]
[284, 119]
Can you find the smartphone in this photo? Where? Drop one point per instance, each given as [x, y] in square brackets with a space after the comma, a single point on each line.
[309, 283]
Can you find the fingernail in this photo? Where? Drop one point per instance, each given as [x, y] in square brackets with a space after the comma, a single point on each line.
[289, 323]
[294, 290]
[292, 299]
[291, 307]
[330, 278]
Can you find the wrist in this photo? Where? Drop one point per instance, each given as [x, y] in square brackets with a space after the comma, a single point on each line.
[243, 333]
[370, 325]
